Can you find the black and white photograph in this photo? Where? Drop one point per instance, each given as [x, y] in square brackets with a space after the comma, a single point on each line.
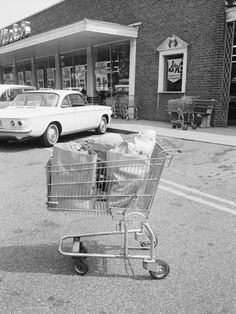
[117, 157]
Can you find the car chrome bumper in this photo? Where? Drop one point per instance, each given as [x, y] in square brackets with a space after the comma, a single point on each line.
[14, 134]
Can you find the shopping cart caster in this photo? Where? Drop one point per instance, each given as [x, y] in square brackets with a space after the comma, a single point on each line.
[80, 266]
[79, 247]
[83, 249]
[158, 269]
[146, 243]
[184, 127]
[194, 126]
[173, 125]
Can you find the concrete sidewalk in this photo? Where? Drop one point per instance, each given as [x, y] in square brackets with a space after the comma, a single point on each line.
[216, 135]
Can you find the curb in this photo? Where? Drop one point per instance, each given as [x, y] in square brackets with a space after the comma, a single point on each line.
[113, 130]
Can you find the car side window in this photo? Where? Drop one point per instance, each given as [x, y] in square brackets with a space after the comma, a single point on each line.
[12, 93]
[65, 102]
[3, 97]
[76, 100]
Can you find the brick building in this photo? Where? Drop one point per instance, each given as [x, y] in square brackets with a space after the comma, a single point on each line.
[151, 51]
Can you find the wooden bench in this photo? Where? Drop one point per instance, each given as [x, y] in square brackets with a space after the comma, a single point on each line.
[203, 110]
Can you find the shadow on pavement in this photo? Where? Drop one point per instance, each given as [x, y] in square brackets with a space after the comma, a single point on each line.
[46, 259]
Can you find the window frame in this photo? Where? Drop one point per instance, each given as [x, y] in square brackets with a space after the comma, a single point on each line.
[162, 75]
[68, 102]
[72, 102]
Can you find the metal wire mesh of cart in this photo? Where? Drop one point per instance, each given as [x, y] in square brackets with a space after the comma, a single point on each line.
[121, 183]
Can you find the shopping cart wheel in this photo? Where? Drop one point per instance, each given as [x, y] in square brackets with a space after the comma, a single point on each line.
[162, 270]
[173, 125]
[184, 127]
[80, 266]
[194, 126]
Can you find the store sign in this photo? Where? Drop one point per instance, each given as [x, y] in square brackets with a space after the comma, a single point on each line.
[174, 69]
[8, 36]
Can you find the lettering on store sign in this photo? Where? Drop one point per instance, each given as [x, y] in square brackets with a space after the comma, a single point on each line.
[8, 36]
[175, 68]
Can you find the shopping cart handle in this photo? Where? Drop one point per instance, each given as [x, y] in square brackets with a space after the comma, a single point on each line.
[170, 153]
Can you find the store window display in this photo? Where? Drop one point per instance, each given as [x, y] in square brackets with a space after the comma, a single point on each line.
[46, 72]
[174, 73]
[172, 65]
[112, 71]
[73, 70]
[24, 73]
[8, 76]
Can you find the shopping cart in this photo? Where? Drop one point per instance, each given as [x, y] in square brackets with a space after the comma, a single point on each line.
[182, 112]
[124, 107]
[121, 187]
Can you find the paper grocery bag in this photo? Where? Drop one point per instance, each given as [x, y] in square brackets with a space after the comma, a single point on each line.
[73, 175]
[126, 174]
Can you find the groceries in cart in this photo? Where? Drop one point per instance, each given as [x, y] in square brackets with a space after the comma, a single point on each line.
[112, 175]
[182, 112]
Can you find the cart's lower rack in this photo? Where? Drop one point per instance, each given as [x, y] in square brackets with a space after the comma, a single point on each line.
[157, 268]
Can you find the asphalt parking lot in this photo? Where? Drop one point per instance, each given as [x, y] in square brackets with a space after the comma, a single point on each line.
[195, 236]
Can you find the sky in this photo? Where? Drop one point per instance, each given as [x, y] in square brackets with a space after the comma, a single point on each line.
[14, 10]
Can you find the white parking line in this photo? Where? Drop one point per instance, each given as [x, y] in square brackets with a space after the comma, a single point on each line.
[199, 200]
[183, 187]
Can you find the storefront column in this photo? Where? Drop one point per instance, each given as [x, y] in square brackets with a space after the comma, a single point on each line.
[91, 80]
[132, 66]
[132, 69]
[15, 74]
[58, 71]
[1, 76]
[33, 73]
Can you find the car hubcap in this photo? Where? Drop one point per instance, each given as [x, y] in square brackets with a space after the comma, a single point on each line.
[52, 134]
[103, 125]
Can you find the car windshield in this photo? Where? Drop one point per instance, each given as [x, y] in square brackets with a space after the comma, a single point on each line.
[36, 99]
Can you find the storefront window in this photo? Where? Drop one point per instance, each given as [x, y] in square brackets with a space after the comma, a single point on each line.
[73, 70]
[24, 73]
[174, 73]
[112, 70]
[46, 72]
[172, 65]
[8, 77]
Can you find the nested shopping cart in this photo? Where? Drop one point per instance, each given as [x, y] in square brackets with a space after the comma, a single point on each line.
[182, 112]
[123, 187]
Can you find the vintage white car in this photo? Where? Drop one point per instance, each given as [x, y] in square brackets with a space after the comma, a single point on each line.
[8, 93]
[47, 114]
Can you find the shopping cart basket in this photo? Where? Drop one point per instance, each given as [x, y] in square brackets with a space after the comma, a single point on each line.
[120, 187]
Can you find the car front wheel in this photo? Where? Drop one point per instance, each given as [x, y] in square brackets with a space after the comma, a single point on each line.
[102, 126]
[50, 136]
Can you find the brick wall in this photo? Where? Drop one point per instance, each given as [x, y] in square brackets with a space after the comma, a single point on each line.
[200, 23]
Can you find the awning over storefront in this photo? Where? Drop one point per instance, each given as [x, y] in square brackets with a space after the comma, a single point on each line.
[75, 36]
